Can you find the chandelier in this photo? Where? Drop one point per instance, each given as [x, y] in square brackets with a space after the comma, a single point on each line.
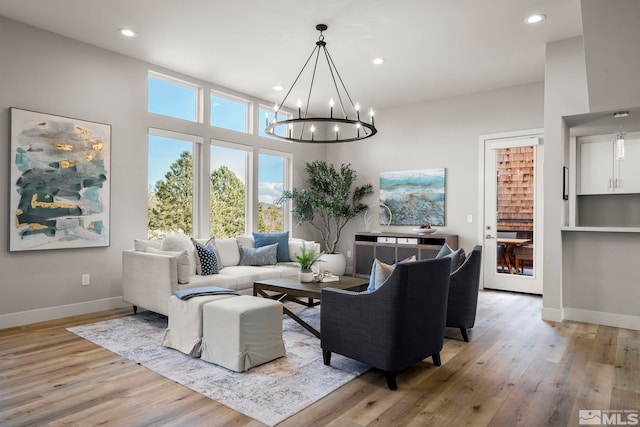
[343, 123]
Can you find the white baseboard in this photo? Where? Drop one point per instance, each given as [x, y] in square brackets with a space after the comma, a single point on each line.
[50, 313]
[602, 318]
[552, 314]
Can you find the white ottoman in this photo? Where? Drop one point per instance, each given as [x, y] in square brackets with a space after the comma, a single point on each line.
[242, 332]
[184, 332]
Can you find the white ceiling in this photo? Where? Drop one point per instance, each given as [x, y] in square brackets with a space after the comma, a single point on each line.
[433, 48]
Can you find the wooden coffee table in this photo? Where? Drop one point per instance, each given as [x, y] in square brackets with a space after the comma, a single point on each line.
[292, 289]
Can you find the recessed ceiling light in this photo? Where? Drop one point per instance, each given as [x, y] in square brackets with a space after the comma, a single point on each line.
[277, 88]
[619, 114]
[378, 61]
[535, 18]
[127, 32]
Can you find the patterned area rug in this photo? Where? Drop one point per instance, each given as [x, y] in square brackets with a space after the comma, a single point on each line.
[268, 393]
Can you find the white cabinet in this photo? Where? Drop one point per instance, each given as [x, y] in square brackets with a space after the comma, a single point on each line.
[601, 173]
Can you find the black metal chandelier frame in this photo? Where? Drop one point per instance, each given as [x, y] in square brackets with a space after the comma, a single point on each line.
[303, 128]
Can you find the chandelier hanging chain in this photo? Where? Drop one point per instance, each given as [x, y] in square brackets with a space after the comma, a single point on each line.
[332, 67]
[320, 129]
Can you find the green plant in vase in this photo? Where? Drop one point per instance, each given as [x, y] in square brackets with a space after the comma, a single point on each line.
[307, 258]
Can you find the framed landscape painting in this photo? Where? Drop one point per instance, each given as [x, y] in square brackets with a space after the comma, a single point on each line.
[59, 182]
[414, 197]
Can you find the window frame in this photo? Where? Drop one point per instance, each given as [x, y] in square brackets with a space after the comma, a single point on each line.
[183, 83]
[234, 98]
[203, 136]
[248, 203]
[287, 183]
[197, 142]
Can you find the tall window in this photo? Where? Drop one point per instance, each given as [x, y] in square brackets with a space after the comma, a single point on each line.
[228, 190]
[170, 183]
[172, 97]
[229, 113]
[271, 182]
[186, 171]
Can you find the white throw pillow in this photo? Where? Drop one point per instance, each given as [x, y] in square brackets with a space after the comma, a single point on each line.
[179, 242]
[246, 241]
[141, 245]
[295, 247]
[228, 251]
[182, 257]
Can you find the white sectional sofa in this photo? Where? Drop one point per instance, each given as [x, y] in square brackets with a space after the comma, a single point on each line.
[155, 269]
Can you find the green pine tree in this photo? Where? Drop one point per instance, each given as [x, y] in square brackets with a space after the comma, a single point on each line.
[227, 204]
[172, 203]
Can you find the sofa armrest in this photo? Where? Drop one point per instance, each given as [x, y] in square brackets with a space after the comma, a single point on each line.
[148, 280]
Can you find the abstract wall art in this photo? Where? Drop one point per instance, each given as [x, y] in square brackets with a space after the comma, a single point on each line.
[60, 182]
[415, 197]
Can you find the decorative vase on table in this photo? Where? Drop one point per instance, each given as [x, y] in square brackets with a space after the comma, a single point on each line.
[305, 275]
[334, 263]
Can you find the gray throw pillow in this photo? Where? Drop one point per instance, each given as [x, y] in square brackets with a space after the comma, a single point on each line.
[265, 255]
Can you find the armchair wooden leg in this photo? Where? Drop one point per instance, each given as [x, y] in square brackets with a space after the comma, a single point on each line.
[326, 357]
[464, 334]
[135, 309]
[436, 359]
[391, 380]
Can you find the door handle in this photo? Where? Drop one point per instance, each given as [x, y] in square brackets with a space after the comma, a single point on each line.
[489, 236]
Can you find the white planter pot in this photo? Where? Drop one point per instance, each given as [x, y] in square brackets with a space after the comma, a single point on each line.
[334, 263]
[305, 276]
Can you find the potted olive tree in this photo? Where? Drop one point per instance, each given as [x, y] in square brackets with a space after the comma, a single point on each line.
[328, 202]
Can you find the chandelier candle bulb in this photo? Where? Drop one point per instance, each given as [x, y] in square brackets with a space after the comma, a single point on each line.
[299, 104]
[358, 111]
[331, 108]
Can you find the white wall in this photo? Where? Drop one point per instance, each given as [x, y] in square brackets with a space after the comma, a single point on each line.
[44, 72]
[442, 133]
[611, 40]
[565, 94]
[588, 276]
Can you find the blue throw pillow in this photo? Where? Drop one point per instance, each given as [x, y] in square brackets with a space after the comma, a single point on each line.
[208, 260]
[282, 239]
[444, 251]
[381, 271]
[455, 259]
[266, 255]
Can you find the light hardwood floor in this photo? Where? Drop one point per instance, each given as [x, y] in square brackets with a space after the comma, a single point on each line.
[517, 370]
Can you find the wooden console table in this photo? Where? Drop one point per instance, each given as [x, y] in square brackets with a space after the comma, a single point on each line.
[393, 247]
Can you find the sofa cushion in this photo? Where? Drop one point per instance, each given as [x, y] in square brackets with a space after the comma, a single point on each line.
[220, 280]
[246, 275]
[282, 239]
[265, 255]
[228, 251]
[182, 258]
[208, 259]
[181, 242]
